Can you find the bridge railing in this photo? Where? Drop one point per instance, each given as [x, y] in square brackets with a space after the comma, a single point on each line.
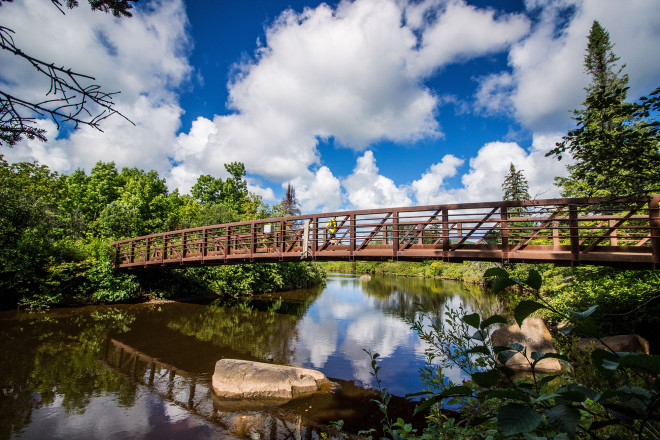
[624, 231]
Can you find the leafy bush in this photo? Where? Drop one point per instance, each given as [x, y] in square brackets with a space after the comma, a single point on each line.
[621, 399]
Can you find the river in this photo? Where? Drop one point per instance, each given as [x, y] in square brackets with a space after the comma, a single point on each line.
[144, 370]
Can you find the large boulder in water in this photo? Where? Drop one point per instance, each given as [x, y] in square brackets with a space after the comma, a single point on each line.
[535, 337]
[238, 379]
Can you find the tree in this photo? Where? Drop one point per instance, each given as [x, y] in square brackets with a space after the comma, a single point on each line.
[289, 206]
[71, 98]
[515, 186]
[209, 190]
[615, 144]
[234, 190]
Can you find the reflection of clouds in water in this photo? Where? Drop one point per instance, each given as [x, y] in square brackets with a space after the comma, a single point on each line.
[319, 329]
[381, 334]
[344, 320]
[317, 341]
[148, 417]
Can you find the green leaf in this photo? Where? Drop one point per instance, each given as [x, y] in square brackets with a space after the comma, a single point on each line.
[496, 272]
[505, 356]
[500, 284]
[534, 280]
[573, 395]
[460, 390]
[526, 308]
[542, 356]
[514, 418]
[566, 418]
[479, 335]
[506, 393]
[644, 362]
[421, 393]
[587, 392]
[472, 320]
[517, 347]
[604, 360]
[547, 379]
[536, 355]
[495, 319]
[486, 379]
[584, 314]
[479, 349]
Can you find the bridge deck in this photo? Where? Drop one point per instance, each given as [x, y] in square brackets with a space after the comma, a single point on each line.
[623, 232]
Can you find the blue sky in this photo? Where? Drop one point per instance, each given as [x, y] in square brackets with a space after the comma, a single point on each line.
[358, 104]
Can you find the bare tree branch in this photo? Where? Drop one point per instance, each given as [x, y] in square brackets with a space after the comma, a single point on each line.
[70, 99]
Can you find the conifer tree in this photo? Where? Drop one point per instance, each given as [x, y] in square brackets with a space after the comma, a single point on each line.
[615, 143]
[515, 186]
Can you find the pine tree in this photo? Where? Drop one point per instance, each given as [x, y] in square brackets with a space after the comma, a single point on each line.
[515, 186]
[615, 143]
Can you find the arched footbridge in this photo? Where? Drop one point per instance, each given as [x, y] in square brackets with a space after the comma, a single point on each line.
[613, 232]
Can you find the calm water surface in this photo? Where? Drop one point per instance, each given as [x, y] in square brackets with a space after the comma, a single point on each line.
[144, 371]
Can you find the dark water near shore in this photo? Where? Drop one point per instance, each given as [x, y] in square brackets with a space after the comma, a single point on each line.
[144, 371]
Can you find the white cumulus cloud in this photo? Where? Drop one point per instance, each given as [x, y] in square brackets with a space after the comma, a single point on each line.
[144, 57]
[547, 77]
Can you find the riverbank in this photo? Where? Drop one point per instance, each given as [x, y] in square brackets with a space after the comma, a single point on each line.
[469, 272]
[106, 286]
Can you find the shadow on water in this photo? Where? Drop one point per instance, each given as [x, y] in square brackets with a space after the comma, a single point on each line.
[144, 371]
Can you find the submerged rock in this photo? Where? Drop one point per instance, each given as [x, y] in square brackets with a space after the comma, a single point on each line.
[238, 379]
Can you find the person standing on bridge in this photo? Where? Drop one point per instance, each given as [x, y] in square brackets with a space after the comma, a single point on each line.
[331, 230]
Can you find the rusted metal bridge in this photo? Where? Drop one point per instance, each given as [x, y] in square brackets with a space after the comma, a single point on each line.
[613, 232]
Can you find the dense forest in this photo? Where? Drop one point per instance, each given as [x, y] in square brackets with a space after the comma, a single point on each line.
[55, 230]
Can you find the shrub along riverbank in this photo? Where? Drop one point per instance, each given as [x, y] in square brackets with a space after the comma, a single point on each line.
[55, 230]
[628, 300]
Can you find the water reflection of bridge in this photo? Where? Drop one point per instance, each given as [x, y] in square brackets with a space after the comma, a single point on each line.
[193, 393]
[598, 231]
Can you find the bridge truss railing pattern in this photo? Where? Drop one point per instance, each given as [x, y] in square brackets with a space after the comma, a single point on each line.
[600, 231]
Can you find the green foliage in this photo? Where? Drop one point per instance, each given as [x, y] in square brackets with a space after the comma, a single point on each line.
[615, 144]
[54, 232]
[621, 400]
[209, 190]
[245, 279]
[515, 186]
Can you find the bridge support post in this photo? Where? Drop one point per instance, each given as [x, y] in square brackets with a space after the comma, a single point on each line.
[315, 236]
[253, 241]
[147, 250]
[395, 235]
[205, 243]
[445, 233]
[352, 227]
[282, 238]
[574, 232]
[504, 229]
[184, 246]
[654, 227]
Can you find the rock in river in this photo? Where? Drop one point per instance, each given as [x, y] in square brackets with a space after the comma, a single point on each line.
[534, 336]
[237, 379]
